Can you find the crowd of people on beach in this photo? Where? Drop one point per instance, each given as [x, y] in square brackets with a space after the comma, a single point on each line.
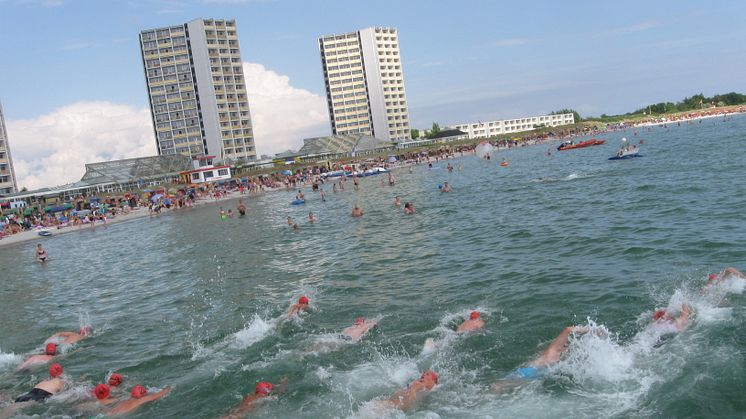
[108, 397]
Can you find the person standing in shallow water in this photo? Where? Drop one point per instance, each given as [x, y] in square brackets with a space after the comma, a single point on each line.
[357, 211]
[41, 254]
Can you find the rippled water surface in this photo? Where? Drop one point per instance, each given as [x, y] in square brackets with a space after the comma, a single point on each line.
[193, 302]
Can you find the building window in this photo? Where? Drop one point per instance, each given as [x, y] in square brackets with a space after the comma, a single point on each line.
[223, 172]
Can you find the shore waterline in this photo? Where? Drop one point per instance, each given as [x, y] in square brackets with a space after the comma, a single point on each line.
[191, 301]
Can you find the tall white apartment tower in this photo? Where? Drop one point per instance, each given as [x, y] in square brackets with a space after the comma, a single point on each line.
[7, 174]
[365, 83]
[197, 90]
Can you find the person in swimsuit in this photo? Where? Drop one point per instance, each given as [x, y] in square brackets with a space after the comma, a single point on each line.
[139, 396]
[537, 369]
[68, 338]
[714, 279]
[50, 351]
[446, 187]
[241, 208]
[356, 332]
[408, 398]
[409, 208]
[41, 254]
[46, 388]
[312, 217]
[473, 324]
[357, 211]
[397, 201]
[301, 305]
[262, 390]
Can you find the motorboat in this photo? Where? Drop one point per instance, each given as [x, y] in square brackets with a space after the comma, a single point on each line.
[569, 145]
[626, 153]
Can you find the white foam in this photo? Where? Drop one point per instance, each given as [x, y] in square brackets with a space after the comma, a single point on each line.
[9, 361]
[255, 331]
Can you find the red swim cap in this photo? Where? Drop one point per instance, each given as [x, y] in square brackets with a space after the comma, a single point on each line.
[430, 373]
[658, 314]
[474, 315]
[360, 321]
[712, 277]
[101, 391]
[51, 349]
[138, 391]
[115, 379]
[263, 387]
[303, 300]
[55, 370]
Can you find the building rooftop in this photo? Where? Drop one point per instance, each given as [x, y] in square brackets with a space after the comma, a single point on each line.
[136, 169]
[339, 144]
[448, 133]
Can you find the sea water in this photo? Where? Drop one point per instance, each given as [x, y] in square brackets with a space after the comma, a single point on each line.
[197, 303]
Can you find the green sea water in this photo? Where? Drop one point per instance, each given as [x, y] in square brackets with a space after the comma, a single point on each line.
[189, 301]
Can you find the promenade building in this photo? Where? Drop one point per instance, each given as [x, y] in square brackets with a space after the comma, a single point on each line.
[509, 126]
[197, 90]
[365, 84]
[7, 174]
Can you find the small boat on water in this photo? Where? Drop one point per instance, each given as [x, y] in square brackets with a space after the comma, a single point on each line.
[626, 153]
[569, 145]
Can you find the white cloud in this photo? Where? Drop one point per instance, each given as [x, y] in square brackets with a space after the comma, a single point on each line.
[52, 149]
[282, 114]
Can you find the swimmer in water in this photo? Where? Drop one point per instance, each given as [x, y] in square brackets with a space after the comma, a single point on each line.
[241, 208]
[409, 208]
[446, 187]
[392, 179]
[356, 332]
[473, 324]
[68, 338]
[665, 324]
[357, 211]
[50, 352]
[44, 389]
[262, 390]
[300, 196]
[295, 226]
[230, 213]
[301, 305]
[397, 201]
[138, 397]
[290, 221]
[408, 398]
[714, 279]
[312, 217]
[222, 214]
[450, 168]
[537, 368]
[41, 254]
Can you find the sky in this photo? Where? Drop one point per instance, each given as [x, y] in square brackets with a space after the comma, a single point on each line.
[73, 89]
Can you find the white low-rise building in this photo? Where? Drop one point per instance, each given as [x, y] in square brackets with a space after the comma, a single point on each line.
[205, 171]
[509, 126]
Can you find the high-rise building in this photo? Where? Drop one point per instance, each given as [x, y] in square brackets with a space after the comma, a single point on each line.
[7, 174]
[364, 84]
[197, 90]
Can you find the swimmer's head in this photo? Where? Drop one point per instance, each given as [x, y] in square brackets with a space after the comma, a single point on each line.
[263, 387]
[474, 315]
[303, 300]
[115, 379]
[138, 392]
[659, 314]
[55, 370]
[85, 330]
[101, 391]
[360, 321]
[712, 277]
[50, 349]
[430, 374]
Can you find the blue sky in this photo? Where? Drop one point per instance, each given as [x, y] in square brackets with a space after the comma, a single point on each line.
[463, 61]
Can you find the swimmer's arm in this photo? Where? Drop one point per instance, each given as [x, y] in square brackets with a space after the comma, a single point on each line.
[155, 396]
[683, 319]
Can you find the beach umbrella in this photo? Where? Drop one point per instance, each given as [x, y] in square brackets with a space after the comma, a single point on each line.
[156, 197]
[392, 159]
[484, 149]
[287, 172]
